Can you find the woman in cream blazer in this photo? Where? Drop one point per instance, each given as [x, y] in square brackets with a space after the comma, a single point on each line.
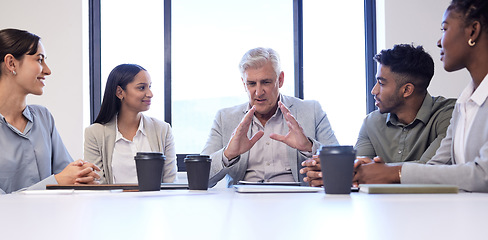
[127, 95]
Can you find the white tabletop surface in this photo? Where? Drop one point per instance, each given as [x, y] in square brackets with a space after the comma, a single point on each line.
[225, 214]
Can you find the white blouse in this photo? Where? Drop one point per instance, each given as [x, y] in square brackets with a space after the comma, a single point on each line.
[468, 103]
[123, 163]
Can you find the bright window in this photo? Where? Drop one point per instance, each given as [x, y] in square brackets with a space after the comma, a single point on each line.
[132, 32]
[334, 63]
[208, 41]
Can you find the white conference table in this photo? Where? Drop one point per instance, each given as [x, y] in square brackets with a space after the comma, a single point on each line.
[225, 214]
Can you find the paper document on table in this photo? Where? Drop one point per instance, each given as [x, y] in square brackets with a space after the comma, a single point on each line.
[274, 189]
[407, 188]
[46, 192]
[270, 183]
[125, 187]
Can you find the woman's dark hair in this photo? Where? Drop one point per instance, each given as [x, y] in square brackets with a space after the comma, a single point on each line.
[413, 62]
[18, 43]
[473, 10]
[119, 76]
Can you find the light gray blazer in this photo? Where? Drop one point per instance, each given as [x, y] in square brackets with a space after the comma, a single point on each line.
[442, 168]
[100, 142]
[308, 113]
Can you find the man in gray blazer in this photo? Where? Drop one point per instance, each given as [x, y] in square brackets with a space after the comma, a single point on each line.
[265, 139]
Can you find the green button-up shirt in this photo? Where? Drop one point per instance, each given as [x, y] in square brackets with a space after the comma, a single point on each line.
[384, 136]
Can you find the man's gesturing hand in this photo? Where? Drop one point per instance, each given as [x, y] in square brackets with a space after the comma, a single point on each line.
[296, 137]
[239, 142]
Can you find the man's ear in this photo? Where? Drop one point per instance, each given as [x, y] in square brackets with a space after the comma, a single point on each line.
[408, 89]
[281, 79]
[244, 84]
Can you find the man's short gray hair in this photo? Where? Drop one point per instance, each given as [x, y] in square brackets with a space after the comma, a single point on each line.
[257, 58]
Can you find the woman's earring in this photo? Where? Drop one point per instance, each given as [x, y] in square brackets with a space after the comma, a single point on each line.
[14, 73]
[471, 43]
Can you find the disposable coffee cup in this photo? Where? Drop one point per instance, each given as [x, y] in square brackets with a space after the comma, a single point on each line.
[198, 170]
[149, 166]
[337, 164]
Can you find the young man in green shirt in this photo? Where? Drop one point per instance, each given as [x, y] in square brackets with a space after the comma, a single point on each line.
[409, 123]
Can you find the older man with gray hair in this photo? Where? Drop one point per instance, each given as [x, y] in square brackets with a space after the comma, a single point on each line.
[265, 139]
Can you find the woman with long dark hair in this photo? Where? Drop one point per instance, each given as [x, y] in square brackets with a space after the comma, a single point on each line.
[121, 130]
[32, 152]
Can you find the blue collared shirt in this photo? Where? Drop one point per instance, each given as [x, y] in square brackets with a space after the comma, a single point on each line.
[29, 159]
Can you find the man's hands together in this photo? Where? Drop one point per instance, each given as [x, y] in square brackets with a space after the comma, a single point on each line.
[312, 170]
[366, 170]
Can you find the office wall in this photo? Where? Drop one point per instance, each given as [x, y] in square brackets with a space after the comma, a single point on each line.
[62, 25]
[419, 22]
[59, 23]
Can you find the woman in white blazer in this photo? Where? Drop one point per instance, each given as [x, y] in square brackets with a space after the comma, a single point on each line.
[121, 130]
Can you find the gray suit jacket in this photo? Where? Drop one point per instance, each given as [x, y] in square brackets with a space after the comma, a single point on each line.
[308, 113]
[100, 142]
[442, 168]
